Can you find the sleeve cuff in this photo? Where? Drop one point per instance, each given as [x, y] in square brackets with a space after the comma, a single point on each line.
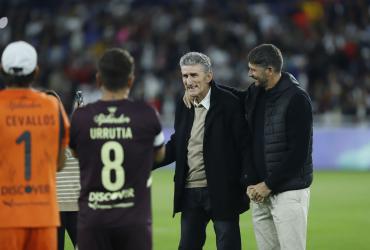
[270, 184]
[159, 140]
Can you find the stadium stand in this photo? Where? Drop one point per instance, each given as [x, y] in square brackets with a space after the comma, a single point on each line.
[325, 43]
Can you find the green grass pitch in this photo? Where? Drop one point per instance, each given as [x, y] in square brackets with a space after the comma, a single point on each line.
[339, 215]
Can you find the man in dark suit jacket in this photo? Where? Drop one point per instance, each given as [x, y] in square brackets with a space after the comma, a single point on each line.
[209, 148]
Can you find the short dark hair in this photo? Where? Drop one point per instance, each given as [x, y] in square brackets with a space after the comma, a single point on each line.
[266, 55]
[116, 66]
[17, 80]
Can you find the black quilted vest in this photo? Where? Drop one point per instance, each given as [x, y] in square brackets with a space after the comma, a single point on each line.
[275, 138]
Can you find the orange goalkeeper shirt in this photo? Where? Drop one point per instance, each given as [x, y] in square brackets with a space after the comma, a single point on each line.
[33, 129]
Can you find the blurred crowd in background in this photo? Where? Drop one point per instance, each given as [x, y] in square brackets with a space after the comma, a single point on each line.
[325, 43]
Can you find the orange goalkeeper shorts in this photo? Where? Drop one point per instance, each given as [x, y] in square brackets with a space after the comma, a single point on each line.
[38, 238]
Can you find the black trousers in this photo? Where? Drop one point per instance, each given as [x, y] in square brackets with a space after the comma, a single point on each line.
[68, 223]
[196, 213]
[133, 237]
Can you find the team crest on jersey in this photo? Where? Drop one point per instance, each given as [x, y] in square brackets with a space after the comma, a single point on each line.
[111, 118]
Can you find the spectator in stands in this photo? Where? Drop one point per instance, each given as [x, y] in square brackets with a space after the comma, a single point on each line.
[70, 38]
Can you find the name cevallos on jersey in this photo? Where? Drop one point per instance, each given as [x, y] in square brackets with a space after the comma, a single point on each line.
[36, 120]
[36, 129]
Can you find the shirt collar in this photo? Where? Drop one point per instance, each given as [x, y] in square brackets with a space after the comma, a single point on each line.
[206, 102]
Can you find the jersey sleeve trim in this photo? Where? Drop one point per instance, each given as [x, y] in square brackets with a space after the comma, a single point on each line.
[159, 140]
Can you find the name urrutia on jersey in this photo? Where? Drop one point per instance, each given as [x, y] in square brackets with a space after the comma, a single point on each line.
[111, 133]
[120, 198]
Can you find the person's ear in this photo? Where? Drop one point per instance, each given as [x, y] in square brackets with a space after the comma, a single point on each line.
[1, 69]
[37, 72]
[270, 70]
[130, 81]
[99, 83]
[209, 76]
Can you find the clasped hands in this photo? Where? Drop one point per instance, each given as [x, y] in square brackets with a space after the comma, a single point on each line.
[258, 192]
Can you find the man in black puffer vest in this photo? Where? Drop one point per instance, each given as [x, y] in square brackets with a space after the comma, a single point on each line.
[279, 114]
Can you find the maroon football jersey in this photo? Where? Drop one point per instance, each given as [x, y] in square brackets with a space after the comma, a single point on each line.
[114, 142]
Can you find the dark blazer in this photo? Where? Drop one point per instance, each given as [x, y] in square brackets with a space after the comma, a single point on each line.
[224, 150]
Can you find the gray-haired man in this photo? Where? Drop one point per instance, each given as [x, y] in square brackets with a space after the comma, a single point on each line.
[208, 146]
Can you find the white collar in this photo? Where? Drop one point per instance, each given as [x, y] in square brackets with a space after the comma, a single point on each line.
[206, 102]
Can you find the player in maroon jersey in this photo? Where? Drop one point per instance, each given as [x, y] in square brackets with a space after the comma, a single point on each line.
[116, 140]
